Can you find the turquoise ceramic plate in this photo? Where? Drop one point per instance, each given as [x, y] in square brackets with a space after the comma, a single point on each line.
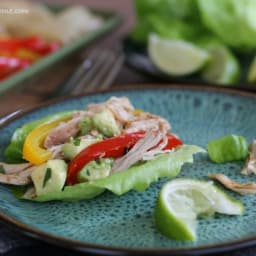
[112, 224]
[111, 20]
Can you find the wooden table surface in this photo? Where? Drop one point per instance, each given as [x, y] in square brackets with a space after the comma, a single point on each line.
[34, 90]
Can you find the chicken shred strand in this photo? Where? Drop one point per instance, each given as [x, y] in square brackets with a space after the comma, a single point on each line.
[14, 168]
[142, 147]
[62, 132]
[250, 165]
[19, 178]
[241, 188]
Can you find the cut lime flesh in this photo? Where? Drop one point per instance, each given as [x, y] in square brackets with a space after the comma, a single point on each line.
[181, 201]
[223, 68]
[176, 57]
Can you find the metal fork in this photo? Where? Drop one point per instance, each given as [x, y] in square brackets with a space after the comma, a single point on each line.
[96, 72]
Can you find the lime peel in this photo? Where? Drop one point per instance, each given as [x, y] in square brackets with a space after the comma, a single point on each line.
[223, 68]
[176, 57]
[251, 76]
[181, 201]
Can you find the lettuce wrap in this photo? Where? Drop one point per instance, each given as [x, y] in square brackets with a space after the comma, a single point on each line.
[78, 155]
[136, 178]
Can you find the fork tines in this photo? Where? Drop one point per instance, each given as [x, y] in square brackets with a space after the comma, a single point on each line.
[97, 71]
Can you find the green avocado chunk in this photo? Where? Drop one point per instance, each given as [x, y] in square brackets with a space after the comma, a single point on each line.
[49, 177]
[75, 146]
[94, 170]
[86, 125]
[105, 123]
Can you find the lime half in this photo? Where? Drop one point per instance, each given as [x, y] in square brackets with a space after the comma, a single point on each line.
[223, 68]
[176, 57]
[181, 201]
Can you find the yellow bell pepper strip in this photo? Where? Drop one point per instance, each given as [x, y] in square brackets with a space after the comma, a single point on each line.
[33, 150]
[14, 151]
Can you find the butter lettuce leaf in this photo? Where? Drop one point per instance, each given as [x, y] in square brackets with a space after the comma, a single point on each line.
[172, 19]
[232, 21]
[136, 178]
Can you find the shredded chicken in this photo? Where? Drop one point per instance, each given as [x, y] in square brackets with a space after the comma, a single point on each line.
[62, 132]
[145, 122]
[144, 147]
[14, 168]
[243, 189]
[57, 152]
[157, 150]
[19, 178]
[250, 165]
[128, 118]
[121, 108]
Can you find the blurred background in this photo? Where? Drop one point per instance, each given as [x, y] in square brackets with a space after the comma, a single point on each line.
[35, 87]
[44, 44]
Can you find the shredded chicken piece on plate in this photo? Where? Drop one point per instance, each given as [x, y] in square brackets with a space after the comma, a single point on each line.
[123, 111]
[127, 117]
[14, 168]
[250, 165]
[121, 108]
[157, 150]
[144, 147]
[147, 121]
[18, 178]
[62, 132]
[241, 188]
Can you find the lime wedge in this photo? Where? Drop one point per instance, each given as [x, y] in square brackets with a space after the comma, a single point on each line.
[251, 76]
[223, 68]
[181, 201]
[176, 57]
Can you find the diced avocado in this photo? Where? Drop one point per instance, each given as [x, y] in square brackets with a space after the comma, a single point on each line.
[75, 146]
[105, 123]
[49, 177]
[94, 170]
[86, 125]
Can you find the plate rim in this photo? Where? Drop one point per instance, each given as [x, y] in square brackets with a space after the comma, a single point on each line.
[103, 249]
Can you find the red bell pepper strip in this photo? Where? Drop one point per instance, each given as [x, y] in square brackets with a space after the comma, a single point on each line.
[10, 65]
[113, 147]
[39, 45]
[35, 44]
[18, 53]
